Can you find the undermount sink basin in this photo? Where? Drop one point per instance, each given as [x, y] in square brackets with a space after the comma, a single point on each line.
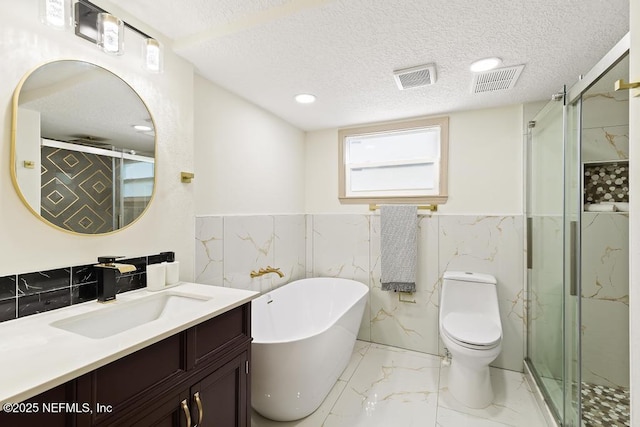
[122, 316]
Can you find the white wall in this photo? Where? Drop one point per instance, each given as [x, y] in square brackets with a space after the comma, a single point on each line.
[28, 149]
[247, 160]
[29, 244]
[485, 165]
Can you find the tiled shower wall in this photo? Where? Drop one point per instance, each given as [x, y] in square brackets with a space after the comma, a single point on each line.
[228, 248]
[605, 250]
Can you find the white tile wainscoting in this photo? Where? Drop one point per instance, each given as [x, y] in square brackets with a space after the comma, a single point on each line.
[228, 248]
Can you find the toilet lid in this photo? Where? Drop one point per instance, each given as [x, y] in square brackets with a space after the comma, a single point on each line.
[471, 328]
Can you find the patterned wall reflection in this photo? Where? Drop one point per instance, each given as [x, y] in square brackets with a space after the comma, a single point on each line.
[77, 190]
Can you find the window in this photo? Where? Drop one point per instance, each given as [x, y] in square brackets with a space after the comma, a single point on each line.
[404, 161]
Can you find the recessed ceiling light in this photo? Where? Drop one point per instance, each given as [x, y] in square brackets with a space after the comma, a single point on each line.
[305, 98]
[485, 64]
[142, 128]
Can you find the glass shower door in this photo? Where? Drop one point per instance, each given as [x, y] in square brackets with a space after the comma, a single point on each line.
[545, 254]
[572, 279]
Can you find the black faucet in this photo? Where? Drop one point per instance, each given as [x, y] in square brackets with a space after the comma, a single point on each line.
[107, 272]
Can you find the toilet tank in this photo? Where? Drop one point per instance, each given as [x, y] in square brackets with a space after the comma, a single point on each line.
[468, 292]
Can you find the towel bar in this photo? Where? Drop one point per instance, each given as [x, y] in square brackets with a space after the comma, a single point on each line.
[432, 208]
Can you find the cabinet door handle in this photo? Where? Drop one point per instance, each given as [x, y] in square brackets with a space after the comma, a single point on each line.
[187, 414]
[196, 396]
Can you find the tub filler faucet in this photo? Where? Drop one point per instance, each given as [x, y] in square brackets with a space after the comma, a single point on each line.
[107, 271]
[267, 270]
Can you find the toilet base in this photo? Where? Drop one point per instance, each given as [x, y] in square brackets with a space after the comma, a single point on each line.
[470, 386]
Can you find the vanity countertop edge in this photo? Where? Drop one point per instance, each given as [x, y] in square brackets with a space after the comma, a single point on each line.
[36, 356]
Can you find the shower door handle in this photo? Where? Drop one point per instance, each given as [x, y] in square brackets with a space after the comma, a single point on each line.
[529, 243]
[573, 246]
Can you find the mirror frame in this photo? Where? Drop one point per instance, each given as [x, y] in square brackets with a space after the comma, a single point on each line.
[12, 156]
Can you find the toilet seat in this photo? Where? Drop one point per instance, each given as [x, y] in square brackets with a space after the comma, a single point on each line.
[471, 330]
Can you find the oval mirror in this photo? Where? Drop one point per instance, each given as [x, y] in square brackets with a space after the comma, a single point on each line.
[83, 147]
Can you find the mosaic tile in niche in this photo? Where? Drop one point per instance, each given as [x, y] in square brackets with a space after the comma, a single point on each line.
[606, 182]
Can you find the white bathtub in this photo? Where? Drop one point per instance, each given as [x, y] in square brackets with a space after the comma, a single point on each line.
[303, 337]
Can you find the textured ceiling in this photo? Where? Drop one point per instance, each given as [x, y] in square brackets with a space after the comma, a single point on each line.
[345, 51]
[75, 97]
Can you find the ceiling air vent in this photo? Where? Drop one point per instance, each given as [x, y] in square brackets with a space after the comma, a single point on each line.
[498, 79]
[422, 75]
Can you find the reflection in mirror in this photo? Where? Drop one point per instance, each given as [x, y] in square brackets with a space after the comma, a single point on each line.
[83, 148]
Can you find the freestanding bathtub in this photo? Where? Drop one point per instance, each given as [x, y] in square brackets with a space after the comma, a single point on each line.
[303, 336]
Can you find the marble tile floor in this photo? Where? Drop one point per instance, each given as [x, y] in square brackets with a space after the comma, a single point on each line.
[386, 386]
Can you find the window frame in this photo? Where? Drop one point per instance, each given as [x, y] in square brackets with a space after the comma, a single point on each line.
[396, 126]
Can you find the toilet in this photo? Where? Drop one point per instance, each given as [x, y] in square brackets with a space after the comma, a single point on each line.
[470, 328]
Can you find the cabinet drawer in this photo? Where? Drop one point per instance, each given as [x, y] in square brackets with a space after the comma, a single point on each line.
[214, 337]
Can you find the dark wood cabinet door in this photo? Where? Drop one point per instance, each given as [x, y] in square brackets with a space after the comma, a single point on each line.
[222, 397]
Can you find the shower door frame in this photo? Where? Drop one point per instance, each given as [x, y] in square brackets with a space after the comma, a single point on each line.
[546, 213]
[570, 413]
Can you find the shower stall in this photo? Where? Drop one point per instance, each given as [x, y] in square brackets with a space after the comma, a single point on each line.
[578, 248]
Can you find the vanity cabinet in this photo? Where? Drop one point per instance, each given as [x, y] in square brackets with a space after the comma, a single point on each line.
[217, 400]
[200, 374]
[222, 393]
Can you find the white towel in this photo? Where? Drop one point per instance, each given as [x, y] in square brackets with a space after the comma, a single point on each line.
[398, 247]
[621, 206]
[601, 207]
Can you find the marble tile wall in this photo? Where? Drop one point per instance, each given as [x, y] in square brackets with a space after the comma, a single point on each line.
[348, 246]
[605, 299]
[408, 325]
[605, 126]
[228, 248]
[605, 250]
[340, 248]
[25, 294]
[545, 296]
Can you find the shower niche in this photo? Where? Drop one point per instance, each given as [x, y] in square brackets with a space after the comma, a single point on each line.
[604, 149]
[606, 186]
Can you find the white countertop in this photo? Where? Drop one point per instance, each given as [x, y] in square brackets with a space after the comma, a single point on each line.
[35, 356]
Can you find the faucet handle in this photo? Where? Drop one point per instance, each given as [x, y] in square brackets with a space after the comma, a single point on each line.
[109, 259]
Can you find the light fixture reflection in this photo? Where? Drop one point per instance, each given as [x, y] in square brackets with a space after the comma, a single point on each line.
[110, 34]
[152, 53]
[142, 128]
[55, 13]
[485, 64]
